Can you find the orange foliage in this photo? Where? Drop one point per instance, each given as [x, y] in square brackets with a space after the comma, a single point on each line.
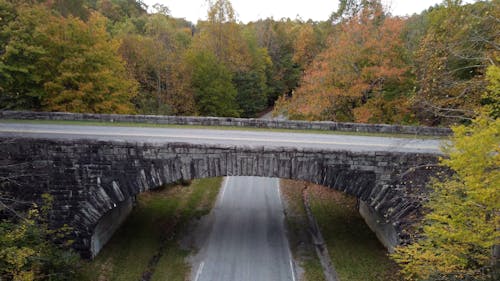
[365, 60]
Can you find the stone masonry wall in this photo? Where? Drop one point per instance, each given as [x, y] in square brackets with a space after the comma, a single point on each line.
[89, 178]
[222, 121]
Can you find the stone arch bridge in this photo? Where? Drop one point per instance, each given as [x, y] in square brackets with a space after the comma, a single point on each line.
[90, 179]
[93, 173]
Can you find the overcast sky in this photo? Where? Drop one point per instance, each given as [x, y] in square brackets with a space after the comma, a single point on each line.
[251, 10]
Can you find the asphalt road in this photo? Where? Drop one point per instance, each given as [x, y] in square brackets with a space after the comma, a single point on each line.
[221, 137]
[247, 241]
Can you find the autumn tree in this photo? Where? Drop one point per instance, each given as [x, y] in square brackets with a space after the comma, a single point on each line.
[491, 98]
[349, 9]
[19, 55]
[251, 84]
[27, 248]
[458, 46]
[30, 248]
[222, 35]
[62, 64]
[362, 76]
[459, 236]
[307, 44]
[463, 222]
[89, 76]
[155, 58]
[278, 38]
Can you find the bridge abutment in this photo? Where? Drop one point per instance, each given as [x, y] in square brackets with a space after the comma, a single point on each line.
[385, 231]
[108, 225]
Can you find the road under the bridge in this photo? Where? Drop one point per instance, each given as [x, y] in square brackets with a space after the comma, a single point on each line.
[247, 239]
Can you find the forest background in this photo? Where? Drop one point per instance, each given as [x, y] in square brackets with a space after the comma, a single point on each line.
[362, 65]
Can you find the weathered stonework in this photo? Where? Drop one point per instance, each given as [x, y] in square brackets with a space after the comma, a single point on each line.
[88, 179]
[227, 121]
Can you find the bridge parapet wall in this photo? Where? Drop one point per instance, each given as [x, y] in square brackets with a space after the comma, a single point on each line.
[235, 122]
[90, 178]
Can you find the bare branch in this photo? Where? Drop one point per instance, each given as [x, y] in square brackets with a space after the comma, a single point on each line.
[448, 109]
[7, 207]
[412, 169]
[465, 67]
[15, 201]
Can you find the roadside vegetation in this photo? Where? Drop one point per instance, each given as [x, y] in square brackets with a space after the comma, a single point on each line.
[298, 236]
[27, 244]
[458, 238]
[354, 250]
[459, 235]
[147, 244]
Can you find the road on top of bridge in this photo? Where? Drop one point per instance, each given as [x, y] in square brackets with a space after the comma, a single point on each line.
[222, 137]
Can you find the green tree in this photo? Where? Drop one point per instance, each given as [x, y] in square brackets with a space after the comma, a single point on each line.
[463, 223]
[278, 38]
[251, 84]
[235, 47]
[120, 10]
[211, 83]
[222, 36]
[76, 8]
[223, 33]
[251, 92]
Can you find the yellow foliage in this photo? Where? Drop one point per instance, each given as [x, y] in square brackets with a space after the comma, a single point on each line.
[26, 252]
[91, 75]
[362, 61]
[492, 96]
[463, 223]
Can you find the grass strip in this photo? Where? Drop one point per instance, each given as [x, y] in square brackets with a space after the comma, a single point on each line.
[154, 228]
[299, 239]
[354, 249]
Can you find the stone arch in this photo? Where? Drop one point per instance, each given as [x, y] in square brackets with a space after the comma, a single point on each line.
[88, 178]
[365, 176]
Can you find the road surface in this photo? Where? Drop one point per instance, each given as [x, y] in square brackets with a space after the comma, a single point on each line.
[221, 137]
[247, 241]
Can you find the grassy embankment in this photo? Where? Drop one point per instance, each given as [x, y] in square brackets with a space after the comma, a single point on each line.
[301, 245]
[153, 229]
[354, 249]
